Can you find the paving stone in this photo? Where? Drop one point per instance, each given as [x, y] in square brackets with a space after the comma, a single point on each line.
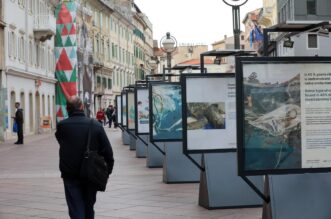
[31, 187]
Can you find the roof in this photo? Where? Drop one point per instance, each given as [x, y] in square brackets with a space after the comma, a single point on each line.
[299, 26]
[228, 52]
[196, 62]
[193, 64]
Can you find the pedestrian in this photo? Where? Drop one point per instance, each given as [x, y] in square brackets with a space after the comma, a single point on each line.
[19, 122]
[72, 135]
[109, 113]
[100, 116]
[114, 117]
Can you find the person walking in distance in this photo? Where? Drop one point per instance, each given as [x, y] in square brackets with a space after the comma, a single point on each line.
[100, 116]
[72, 136]
[19, 121]
[109, 113]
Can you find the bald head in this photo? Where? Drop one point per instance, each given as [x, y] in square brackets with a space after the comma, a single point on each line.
[74, 103]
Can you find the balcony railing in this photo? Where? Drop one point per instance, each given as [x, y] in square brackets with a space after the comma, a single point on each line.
[44, 27]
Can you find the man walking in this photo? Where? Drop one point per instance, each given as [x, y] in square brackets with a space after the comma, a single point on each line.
[72, 135]
[19, 121]
[109, 113]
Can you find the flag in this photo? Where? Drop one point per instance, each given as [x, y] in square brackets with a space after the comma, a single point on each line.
[65, 56]
[255, 35]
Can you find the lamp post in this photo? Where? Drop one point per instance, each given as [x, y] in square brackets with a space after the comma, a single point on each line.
[169, 45]
[235, 4]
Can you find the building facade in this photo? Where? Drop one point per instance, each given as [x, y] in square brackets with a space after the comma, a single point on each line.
[115, 36]
[304, 12]
[29, 62]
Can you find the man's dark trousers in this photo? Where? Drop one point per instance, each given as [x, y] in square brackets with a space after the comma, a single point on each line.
[80, 198]
[20, 133]
[110, 120]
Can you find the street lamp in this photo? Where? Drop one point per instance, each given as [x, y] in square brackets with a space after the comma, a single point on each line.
[169, 45]
[235, 4]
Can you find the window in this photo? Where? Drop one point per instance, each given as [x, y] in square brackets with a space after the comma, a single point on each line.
[113, 50]
[12, 44]
[242, 46]
[117, 78]
[98, 45]
[107, 23]
[109, 83]
[96, 18]
[21, 49]
[311, 7]
[101, 19]
[312, 41]
[289, 10]
[98, 81]
[108, 51]
[120, 54]
[31, 52]
[42, 57]
[37, 54]
[102, 46]
[242, 37]
[104, 83]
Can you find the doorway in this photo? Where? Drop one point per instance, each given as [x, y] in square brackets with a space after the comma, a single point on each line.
[37, 114]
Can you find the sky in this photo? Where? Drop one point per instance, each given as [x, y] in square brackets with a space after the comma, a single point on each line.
[193, 21]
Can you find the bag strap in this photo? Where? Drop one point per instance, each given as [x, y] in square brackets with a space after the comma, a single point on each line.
[88, 144]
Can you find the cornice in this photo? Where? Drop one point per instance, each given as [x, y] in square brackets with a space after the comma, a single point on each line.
[28, 75]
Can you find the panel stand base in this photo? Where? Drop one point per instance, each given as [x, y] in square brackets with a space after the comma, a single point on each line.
[303, 196]
[154, 156]
[221, 187]
[141, 148]
[177, 168]
[132, 141]
[125, 137]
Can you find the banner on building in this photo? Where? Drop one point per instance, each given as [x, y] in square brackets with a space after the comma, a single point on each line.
[66, 56]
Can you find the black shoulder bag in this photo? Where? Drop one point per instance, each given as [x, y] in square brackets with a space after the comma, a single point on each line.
[94, 167]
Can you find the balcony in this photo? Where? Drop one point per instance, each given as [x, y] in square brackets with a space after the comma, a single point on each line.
[44, 27]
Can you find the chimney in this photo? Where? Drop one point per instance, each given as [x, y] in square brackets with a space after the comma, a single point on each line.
[225, 36]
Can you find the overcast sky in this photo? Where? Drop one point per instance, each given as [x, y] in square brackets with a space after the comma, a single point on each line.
[193, 21]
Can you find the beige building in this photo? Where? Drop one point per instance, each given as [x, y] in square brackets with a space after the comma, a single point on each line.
[227, 43]
[183, 53]
[120, 38]
[142, 43]
[268, 16]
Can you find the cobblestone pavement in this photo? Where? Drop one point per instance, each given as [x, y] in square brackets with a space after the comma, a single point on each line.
[31, 187]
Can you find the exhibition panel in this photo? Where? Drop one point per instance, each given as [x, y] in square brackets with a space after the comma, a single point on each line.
[142, 110]
[283, 108]
[209, 113]
[130, 110]
[124, 109]
[165, 111]
[119, 109]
